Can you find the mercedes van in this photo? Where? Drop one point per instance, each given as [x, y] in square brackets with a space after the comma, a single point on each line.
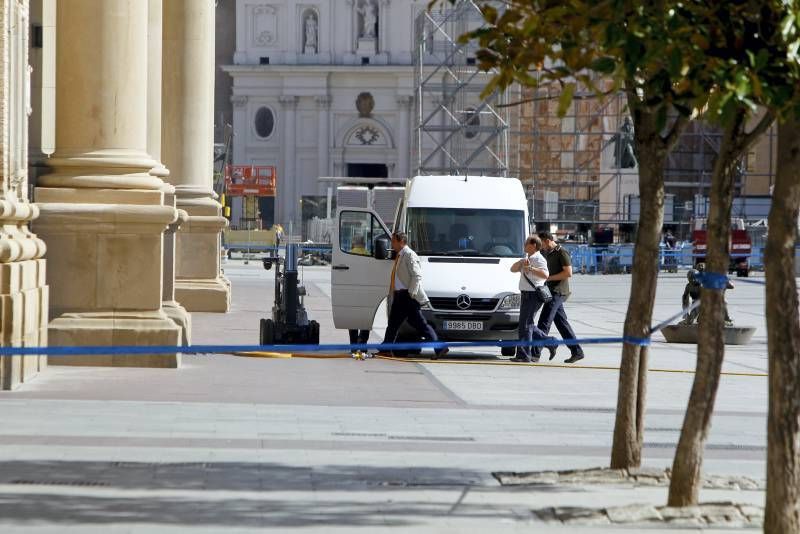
[467, 231]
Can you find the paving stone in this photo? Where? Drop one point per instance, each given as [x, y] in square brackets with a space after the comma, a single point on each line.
[651, 481]
[518, 479]
[727, 521]
[582, 516]
[675, 512]
[633, 513]
[719, 509]
[686, 522]
[751, 511]
[575, 513]
[653, 472]
[547, 515]
[747, 483]
[595, 519]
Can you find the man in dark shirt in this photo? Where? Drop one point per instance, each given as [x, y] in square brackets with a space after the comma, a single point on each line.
[560, 267]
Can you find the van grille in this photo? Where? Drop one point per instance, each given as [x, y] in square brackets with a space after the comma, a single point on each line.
[449, 303]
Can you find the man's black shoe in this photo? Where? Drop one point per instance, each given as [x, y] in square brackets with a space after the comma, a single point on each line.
[442, 352]
[574, 358]
[524, 360]
[552, 349]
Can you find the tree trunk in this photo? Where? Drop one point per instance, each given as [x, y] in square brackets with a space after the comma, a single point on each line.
[687, 465]
[626, 451]
[782, 514]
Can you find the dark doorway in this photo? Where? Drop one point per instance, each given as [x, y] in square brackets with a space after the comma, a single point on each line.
[367, 170]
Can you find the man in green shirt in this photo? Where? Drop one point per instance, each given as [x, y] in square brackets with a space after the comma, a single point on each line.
[560, 267]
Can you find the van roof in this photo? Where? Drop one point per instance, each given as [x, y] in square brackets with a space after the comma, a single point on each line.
[490, 192]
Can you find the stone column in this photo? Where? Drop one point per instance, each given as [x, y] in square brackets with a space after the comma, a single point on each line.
[287, 184]
[404, 137]
[102, 211]
[323, 136]
[23, 293]
[187, 136]
[171, 307]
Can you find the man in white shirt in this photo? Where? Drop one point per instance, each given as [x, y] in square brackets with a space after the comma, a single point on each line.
[533, 272]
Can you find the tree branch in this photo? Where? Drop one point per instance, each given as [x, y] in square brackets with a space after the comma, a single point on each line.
[752, 136]
[675, 132]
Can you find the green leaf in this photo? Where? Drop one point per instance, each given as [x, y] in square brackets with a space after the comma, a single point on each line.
[565, 100]
[603, 65]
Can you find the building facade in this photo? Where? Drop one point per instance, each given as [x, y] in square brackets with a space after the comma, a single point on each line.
[323, 88]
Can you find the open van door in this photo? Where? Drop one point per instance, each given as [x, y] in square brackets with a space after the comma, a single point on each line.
[359, 276]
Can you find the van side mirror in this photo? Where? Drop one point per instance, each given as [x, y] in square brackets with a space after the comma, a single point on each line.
[383, 247]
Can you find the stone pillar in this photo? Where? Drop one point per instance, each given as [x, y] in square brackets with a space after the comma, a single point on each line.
[171, 307]
[187, 129]
[23, 293]
[323, 136]
[404, 137]
[287, 191]
[102, 212]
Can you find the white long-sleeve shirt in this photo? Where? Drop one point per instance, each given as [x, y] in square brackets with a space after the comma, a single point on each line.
[536, 261]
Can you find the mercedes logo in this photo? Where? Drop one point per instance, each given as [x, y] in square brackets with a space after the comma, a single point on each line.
[463, 302]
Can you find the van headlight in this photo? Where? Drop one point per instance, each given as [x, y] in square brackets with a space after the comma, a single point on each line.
[511, 302]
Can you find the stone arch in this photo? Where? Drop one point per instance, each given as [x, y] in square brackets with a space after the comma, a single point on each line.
[365, 141]
[356, 133]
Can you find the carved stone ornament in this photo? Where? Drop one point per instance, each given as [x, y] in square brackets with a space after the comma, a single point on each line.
[365, 103]
[265, 25]
[367, 135]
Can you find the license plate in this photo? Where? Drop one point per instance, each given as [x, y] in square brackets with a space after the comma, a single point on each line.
[463, 325]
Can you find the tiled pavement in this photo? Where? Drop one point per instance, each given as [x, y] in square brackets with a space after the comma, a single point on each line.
[241, 444]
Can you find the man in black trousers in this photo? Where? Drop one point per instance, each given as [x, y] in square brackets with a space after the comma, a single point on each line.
[406, 295]
[559, 266]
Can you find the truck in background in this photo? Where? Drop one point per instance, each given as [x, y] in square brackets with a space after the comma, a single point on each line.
[739, 245]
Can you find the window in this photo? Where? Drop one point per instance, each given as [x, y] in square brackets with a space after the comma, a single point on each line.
[471, 121]
[358, 231]
[264, 122]
[466, 232]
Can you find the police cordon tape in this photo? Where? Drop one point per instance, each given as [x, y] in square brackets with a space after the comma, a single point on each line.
[335, 347]
[710, 280]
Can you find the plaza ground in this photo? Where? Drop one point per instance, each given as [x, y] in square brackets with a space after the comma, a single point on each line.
[308, 445]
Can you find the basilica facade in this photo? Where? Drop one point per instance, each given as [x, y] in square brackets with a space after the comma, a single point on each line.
[323, 88]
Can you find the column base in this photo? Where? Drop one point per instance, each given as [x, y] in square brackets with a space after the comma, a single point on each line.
[202, 295]
[23, 319]
[17, 370]
[114, 329]
[181, 318]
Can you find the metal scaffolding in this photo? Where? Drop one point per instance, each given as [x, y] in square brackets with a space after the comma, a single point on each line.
[455, 130]
[571, 163]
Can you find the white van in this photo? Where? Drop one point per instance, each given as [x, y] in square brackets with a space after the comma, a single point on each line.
[467, 231]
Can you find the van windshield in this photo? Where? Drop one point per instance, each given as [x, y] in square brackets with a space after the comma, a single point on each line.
[466, 232]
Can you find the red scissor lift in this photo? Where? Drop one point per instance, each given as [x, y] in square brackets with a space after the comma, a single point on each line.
[250, 180]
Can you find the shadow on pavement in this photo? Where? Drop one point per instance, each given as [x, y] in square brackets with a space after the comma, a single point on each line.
[68, 492]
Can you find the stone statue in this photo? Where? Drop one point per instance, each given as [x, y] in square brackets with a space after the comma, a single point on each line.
[369, 15]
[624, 146]
[310, 34]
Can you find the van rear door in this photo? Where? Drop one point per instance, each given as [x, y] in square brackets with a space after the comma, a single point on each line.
[359, 281]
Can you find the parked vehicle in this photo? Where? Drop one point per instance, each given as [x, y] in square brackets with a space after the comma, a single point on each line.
[739, 244]
[467, 231]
